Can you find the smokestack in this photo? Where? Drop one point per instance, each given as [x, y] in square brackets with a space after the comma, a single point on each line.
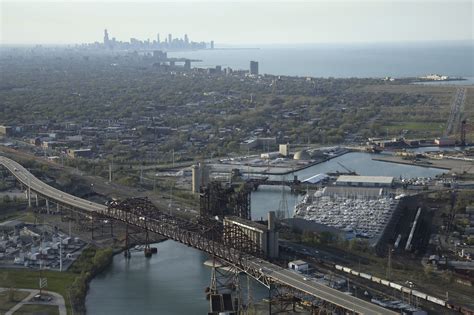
[271, 220]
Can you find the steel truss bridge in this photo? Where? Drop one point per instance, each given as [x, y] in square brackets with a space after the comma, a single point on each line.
[230, 246]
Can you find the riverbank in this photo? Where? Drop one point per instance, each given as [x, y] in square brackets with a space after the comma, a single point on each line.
[72, 284]
[171, 282]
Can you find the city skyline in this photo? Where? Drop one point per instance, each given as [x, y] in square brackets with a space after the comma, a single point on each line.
[169, 43]
[237, 23]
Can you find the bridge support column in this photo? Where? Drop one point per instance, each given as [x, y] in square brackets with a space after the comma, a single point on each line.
[223, 279]
[28, 196]
[58, 207]
[36, 201]
[47, 206]
[127, 243]
[92, 226]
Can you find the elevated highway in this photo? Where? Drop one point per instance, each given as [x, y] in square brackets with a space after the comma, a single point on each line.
[194, 235]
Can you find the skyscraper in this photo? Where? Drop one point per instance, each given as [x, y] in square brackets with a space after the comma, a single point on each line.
[169, 39]
[106, 37]
[254, 67]
[186, 39]
[158, 38]
[212, 44]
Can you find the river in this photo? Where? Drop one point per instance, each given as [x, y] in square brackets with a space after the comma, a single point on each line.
[173, 281]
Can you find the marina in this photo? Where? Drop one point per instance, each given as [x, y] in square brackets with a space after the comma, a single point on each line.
[358, 215]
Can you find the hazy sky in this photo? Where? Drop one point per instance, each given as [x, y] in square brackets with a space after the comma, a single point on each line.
[237, 22]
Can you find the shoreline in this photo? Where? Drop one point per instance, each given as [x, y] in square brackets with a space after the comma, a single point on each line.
[410, 163]
[282, 173]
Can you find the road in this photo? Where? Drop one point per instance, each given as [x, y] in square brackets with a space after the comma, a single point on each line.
[304, 284]
[37, 186]
[57, 300]
[272, 272]
[456, 110]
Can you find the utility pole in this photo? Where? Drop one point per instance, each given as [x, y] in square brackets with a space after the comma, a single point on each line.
[110, 172]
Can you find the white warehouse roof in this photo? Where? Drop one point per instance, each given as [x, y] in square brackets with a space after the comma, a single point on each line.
[316, 178]
[387, 180]
[298, 262]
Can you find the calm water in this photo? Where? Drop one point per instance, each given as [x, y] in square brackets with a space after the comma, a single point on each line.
[173, 281]
[343, 61]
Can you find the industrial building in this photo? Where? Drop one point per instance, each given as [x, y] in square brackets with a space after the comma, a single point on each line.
[79, 153]
[302, 155]
[265, 237]
[51, 145]
[365, 181]
[444, 141]
[284, 149]
[200, 177]
[298, 265]
[6, 130]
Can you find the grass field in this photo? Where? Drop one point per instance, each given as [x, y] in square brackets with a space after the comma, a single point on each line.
[38, 309]
[28, 279]
[6, 304]
[469, 114]
[425, 118]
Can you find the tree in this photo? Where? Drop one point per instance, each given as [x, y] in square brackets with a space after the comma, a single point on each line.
[6, 199]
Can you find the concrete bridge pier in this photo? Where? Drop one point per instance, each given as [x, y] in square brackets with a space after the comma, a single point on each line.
[28, 196]
[58, 207]
[47, 206]
[36, 201]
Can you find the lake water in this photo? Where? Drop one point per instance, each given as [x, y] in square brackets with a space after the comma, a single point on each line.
[350, 60]
[173, 281]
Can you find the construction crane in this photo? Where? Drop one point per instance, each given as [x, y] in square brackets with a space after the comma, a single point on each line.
[346, 168]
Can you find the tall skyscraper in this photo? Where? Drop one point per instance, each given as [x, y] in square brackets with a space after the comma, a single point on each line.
[186, 39]
[169, 38]
[254, 67]
[106, 37]
[212, 44]
[158, 38]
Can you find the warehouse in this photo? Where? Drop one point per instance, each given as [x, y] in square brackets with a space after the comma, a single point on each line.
[365, 181]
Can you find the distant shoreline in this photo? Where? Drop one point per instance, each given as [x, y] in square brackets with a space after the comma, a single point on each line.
[237, 48]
